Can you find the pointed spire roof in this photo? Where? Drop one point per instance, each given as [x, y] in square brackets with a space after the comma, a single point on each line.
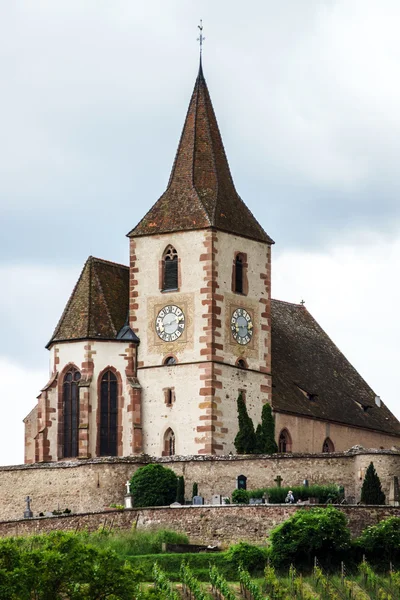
[200, 192]
[98, 305]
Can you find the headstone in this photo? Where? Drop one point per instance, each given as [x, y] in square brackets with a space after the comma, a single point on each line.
[175, 505]
[305, 483]
[394, 494]
[278, 480]
[128, 501]
[255, 501]
[28, 514]
[198, 500]
[128, 487]
[216, 499]
[241, 482]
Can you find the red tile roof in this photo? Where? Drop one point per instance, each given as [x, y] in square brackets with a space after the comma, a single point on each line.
[200, 192]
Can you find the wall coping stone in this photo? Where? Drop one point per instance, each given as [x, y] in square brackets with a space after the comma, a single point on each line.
[146, 459]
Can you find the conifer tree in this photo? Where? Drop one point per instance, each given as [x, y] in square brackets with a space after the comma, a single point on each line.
[371, 491]
[245, 440]
[180, 490]
[195, 490]
[265, 433]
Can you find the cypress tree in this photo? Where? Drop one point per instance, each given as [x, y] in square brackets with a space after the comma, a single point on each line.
[195, 490]
[266, 432]
[180, 490]
[371, 491]
[245, 440]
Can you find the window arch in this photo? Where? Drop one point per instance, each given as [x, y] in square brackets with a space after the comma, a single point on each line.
[71, 413]
[170, 360]
[241, 363]
[328, 446]
[108, 414]
[285, 441]
[169, 269]
[169, 443]
[239, 274]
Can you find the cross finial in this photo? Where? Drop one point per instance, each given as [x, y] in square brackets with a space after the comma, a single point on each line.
[302, 302]
[201, 38]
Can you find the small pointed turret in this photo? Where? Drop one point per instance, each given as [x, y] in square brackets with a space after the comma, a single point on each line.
[200, 192]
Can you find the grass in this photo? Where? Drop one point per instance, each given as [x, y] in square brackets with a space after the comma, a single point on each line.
[135, 543]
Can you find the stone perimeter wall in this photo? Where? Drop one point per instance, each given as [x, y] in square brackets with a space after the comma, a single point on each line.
[204, 525]
[91, 485]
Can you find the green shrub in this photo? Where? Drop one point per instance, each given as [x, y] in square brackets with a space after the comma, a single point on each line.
[381, 542]
[154, 485]
[245, 440]
[252, 558]
[321, 532]
[371, 491]
[265, 434]
[276, 495]
[195, 490]
[171, 563]
[240, 497]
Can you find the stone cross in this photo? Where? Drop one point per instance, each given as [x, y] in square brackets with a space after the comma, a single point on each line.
[278, 480]
[28, 503]
[28, 514]
[128, 487]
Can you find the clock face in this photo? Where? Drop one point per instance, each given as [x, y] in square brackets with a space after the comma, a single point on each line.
[170, 323]
[241, 326]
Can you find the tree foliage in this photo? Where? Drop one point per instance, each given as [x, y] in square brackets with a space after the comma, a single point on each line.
[195, 490]
[371, 491]
[154, 485]
[381, 542]
[321, 532]
[62, 565]
[245, 440]
[265, 434]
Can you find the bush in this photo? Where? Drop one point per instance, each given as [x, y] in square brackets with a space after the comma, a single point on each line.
[265, 434]
[371, 491]
[195, 490]
[245, 440]
[154, 485]
[252, 558]
[381, 542]
[321, 532]
[323, 493]
[180, 491]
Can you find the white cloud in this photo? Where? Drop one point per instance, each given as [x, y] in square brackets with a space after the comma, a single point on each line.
[354, 294]
[20, 387]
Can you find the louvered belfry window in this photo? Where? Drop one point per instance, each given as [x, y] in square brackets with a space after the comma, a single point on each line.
[71, 413]
[108, 414]
[170, 269]
[239, 275]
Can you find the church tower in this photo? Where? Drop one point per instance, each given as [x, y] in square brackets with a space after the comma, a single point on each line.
[199, 299]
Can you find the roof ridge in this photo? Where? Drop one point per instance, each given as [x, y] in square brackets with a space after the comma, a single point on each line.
[289, 303]
[105, 302]
[109, 262]
[68, 303]
[212, 148]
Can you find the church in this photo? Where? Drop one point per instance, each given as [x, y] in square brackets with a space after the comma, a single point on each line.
[150, 358]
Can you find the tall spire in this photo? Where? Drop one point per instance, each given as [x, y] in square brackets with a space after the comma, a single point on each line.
[200, 192]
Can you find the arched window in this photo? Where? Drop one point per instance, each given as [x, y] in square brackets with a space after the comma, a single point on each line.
[170, 360]
[170, 269]
[169, 443]
[241, 363]
[328, 446]
[108, 414]
[239, 274]
[71, 412]
[285, 441]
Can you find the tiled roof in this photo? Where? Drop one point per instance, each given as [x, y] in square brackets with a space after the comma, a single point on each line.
[200, 192]
[98, 305]
[311, 377]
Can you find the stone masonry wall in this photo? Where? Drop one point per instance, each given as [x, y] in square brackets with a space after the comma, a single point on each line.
[91, 485]
[204, 525]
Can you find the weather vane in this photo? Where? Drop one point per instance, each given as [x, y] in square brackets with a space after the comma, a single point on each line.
[201, 38]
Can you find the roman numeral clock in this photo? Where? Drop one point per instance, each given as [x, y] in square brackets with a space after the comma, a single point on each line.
[170, 323]
[241, 326]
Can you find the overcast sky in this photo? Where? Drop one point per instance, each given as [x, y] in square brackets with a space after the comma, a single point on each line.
[93, 95]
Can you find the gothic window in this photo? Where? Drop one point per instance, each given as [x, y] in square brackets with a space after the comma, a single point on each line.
[328, 446]
[170, 269]
[285, 441]
[71, 412]
[239, 274]
[169, 443]
[108, 414]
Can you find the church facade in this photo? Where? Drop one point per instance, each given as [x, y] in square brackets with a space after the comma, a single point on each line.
[151, 358]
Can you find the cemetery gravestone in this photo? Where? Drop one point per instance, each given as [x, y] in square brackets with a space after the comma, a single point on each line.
[198, 500]
[216, 499]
